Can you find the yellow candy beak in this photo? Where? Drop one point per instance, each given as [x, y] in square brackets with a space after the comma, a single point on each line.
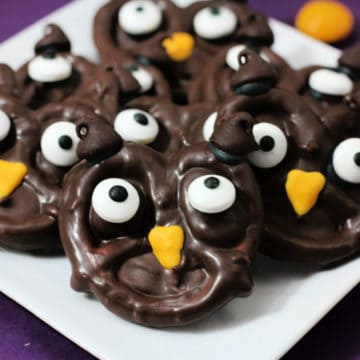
[167, 243]
[11, 176]
[179, 46]
[303, 189]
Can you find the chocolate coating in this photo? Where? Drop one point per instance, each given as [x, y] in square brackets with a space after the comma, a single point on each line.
[329, 231]
[115, 262]
[218, 81]
[36, 94]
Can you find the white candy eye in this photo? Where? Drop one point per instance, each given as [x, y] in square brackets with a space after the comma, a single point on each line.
[49, 69]
[346, 160]
[58, 144]
[232, 56]
[137, 126]
[330, 82]
[209, 125]
[5, 125]
[214, 22]
[115, 200]
[273, 146]
[143, 77]
[211, 194]
[140, 17]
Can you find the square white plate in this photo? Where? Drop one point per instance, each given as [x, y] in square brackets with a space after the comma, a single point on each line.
[288, 298]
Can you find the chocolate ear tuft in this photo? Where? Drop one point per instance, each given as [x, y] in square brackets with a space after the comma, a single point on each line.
[55, 39]
[7, 80]
[233, 135]
[98, 140]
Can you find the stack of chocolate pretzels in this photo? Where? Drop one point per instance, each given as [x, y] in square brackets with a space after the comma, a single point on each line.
[164, 169]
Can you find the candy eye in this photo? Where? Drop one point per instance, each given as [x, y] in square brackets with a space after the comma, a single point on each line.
[211, 194]
[330, 82]
[115, 200]
[209, 125]
[214, 22]
[273, 146]
[137, 126]
[58, 144]
[346, 160]
[140, 17]
[5, 125]
[143, 77]
[232, 56]
[49, 67]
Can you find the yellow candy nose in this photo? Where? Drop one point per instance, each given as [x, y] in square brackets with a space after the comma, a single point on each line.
[179, 46]
[167, 243]
[11, 176]
[303, 189]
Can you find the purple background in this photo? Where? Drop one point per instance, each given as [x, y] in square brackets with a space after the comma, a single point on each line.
[23, 336]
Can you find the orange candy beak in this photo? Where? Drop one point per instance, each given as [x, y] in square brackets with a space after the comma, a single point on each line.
[303, 189]
[167, 243]
[11, 176]
[179, 46]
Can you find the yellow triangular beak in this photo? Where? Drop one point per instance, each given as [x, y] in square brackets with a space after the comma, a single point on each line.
[11, 176]
[167, 243]
[179, 46]
[303, 189]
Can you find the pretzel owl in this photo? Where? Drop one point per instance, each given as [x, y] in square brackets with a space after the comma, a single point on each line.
[307, 168]
[54, 73]
[37, 148]
[160, 239]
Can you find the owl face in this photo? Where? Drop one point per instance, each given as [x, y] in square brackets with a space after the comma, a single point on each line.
[32, 171]
[161, 240]
[307, 177]
[54, 73]
[148, 29]
[216, 24]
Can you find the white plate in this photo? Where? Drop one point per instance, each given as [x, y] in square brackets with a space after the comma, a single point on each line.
[288, 298]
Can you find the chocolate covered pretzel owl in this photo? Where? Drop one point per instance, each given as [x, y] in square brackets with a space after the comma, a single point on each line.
[307, 168]
[54, 73]
[160, 240]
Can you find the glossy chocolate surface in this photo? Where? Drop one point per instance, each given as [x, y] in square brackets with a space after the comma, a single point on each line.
[329, 231]
[115, 261]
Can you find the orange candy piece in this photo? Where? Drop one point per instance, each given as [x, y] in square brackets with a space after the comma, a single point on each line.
[328, 21]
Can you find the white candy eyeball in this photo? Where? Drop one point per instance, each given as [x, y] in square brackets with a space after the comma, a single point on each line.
[5, 125]
[273, 146]
[59, 142]
[143, 77]
[346, 160]
[209, 125]
[115, 200]
[214, 22]
[140, 17]
[137, 126]
[211, 194]
[330, 82]
[232, 56]
[49, 69]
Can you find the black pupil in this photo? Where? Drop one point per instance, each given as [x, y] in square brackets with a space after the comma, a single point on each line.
[118, 193]
[65, 142]
[141, 119]
[357, 159]
[139, 8]
[215, 11]
[267, 143]
[49, 53]
[212, 182]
